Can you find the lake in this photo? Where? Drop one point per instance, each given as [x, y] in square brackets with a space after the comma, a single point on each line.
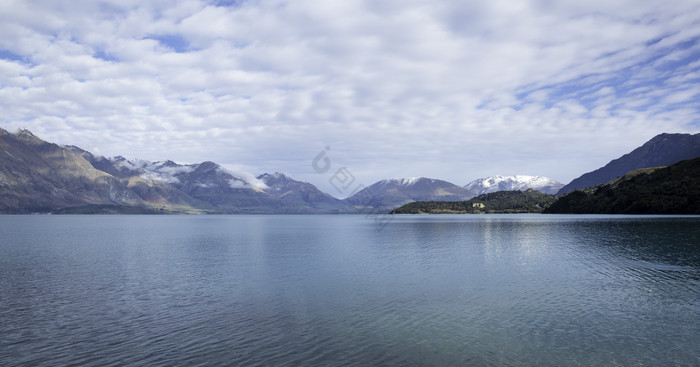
[347, 290]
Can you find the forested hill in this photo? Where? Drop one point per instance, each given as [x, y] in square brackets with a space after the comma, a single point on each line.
[662, 150]
[667, 190]
[529, 201]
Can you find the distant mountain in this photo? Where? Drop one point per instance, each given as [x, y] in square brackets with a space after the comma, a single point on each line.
[36, 176]
[528, 201]
[39, 176]
[666, 190]
[514, 183]
[662, 150]
[202, 186]
[299, 197]
[388, 194]
[209, 186]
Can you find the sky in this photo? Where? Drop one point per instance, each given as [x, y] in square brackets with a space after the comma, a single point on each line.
[453, 90]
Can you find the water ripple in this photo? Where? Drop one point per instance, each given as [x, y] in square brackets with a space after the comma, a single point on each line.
[333, 291]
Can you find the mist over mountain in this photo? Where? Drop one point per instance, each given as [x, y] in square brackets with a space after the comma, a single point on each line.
[661, 150]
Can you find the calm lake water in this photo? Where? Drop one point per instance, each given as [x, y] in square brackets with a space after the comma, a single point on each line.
[469, 290]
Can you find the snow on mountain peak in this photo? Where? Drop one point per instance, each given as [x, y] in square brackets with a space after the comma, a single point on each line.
[153, 171]
[513, 183]
[170, 172]
[405, 181]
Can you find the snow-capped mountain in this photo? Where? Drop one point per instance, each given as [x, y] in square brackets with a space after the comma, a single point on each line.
[205, 185]
[391, 193]
[212, 187]
[205, 174]
[514, 183]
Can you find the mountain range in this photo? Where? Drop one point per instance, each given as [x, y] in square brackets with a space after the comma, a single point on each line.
[38, 176]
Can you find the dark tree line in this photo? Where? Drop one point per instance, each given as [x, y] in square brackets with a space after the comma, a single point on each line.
[669, 190]
[529, 201]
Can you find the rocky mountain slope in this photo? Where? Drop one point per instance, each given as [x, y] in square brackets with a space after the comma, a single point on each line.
[39, 176]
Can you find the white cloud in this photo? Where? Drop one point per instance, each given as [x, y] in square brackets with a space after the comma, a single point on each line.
[244, 180]
[400, 88]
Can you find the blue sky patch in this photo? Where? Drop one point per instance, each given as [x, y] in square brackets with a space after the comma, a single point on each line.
[174, 42]
[9, 56]
[102, 55]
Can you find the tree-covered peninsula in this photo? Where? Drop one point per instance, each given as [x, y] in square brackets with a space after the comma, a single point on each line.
[529, 201]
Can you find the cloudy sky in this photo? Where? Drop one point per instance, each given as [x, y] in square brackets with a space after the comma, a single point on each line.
[454, 90]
